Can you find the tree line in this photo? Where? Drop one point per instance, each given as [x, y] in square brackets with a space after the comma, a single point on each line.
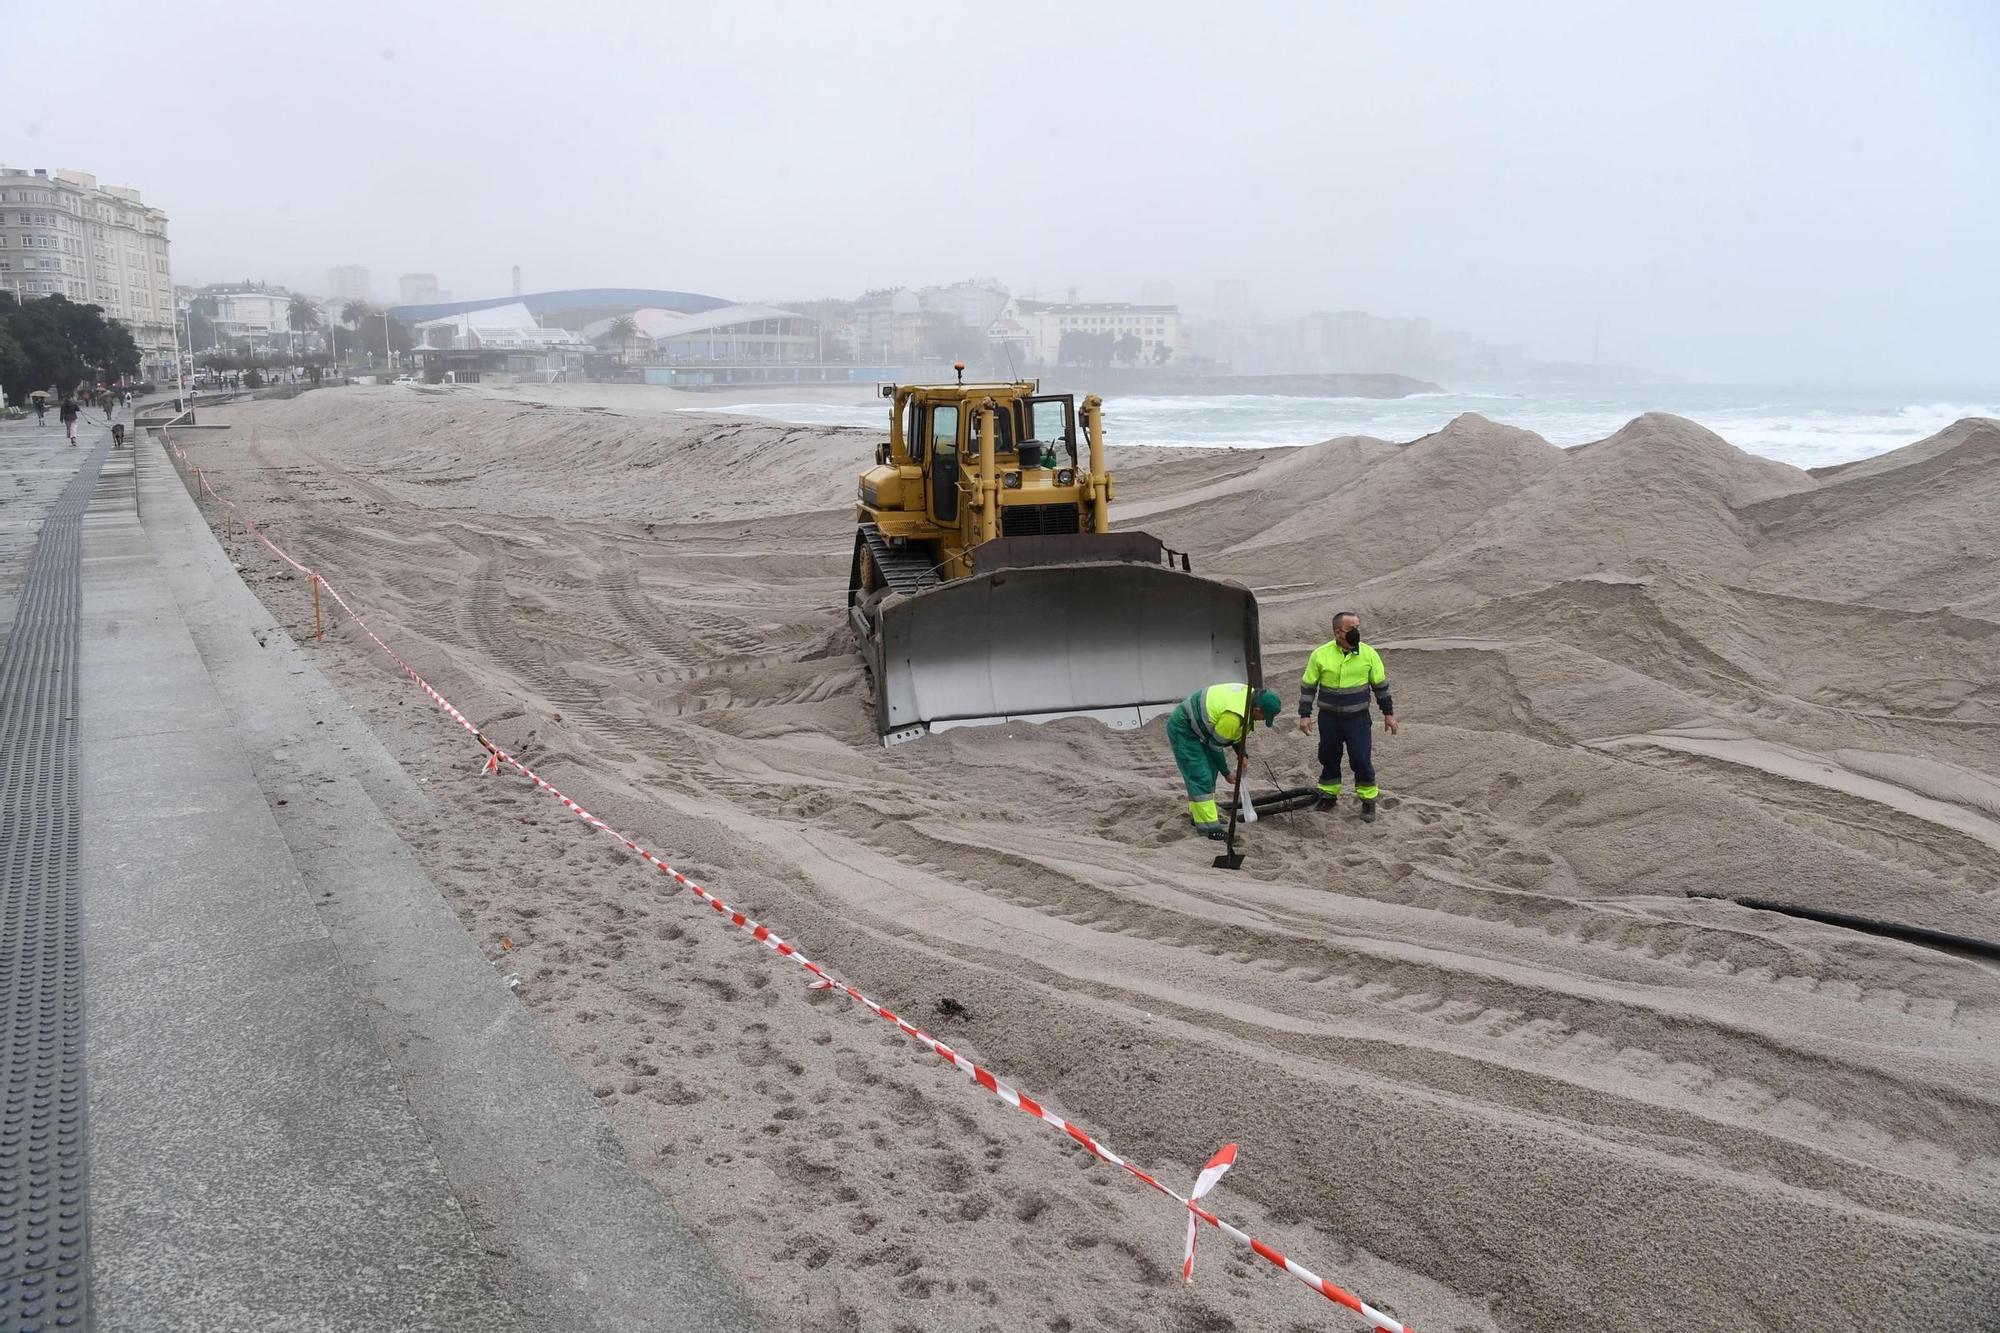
[57, 344]
[1099, 349]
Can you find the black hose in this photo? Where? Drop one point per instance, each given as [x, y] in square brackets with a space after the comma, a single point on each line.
[1278, 799]
[1894, 930]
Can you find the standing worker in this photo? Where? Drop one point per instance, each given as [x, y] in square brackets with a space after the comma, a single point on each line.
[1200, 727]
[1339, 677]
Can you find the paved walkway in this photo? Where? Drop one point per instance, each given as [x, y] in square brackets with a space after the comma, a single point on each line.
[312, 1104]
[36, 462]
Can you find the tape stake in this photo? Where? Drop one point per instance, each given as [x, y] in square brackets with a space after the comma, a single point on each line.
[319, 625]
[1218, 1166]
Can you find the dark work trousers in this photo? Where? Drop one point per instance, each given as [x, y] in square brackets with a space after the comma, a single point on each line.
[1352, 732]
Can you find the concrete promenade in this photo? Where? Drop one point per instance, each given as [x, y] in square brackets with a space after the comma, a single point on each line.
[311, 1102]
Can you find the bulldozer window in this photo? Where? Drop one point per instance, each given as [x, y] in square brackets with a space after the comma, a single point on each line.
[1003, 431]
[943, 428]
[1054, 422]
[942, 420]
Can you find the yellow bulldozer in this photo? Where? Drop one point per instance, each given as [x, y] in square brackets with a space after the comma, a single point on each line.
[987, 585]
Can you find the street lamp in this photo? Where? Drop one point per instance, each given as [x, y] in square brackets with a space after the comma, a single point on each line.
[180, 374]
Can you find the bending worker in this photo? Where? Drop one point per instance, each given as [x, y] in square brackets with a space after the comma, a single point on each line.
[1200, 727]
[1340, 676]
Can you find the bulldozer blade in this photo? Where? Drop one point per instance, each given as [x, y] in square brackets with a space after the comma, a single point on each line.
[1119, 642]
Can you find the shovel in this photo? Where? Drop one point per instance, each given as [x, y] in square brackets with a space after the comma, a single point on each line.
[1233, 859]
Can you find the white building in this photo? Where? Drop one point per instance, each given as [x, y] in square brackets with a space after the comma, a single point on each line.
[875, 319]
[421, 289]
[974, 303]
[898, 324]
[64, 233]
[243, 312]
[253, 314]
[731, 335]
[348, 282]
[1036, 328]
[503, 327]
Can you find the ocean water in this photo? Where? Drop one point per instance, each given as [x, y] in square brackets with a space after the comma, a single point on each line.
[1804, 427]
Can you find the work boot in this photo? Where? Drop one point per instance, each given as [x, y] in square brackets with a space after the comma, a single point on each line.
[1215, 831]
[1368, 812]
[1326, 803]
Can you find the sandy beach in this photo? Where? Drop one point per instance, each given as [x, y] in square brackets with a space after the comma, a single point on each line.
[1490, 1064]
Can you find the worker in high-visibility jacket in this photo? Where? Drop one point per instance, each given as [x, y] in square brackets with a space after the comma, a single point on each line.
[1201, 727]
[1339, 679]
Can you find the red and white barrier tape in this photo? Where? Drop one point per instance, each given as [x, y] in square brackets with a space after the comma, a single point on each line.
[1006, 1092]
[1217, 1167]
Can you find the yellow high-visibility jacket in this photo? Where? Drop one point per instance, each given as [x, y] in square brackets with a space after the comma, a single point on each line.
[1340, 679]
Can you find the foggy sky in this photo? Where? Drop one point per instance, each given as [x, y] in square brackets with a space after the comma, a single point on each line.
[1807, 192]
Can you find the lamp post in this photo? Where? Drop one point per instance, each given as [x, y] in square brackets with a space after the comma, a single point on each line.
[180, 374]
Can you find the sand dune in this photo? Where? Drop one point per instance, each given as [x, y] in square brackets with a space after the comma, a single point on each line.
[1913, 528]
[1488, 1062]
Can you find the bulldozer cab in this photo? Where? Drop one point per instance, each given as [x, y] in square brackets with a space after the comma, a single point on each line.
[940, 435]
[932, 417]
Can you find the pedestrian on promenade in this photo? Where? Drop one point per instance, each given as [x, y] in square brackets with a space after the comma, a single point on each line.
[69, 412]
[41, 411]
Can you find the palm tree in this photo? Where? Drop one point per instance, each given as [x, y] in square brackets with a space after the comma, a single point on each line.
[354, 314]
[624, 329]
[302, 314]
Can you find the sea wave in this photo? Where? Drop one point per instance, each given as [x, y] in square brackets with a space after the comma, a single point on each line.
[1805, 428]
[1947, 412]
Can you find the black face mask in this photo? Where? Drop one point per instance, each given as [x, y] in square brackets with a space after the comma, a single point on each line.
[1353, 637]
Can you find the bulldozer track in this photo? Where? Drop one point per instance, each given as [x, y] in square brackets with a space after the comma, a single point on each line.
[903, 571]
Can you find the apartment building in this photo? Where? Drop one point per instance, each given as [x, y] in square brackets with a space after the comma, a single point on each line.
[421, 289]
[1036, 328]
[63, 233]
[348, 282]
[245, 312]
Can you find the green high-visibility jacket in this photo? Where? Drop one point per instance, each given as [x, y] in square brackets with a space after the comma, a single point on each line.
[1340, 680]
